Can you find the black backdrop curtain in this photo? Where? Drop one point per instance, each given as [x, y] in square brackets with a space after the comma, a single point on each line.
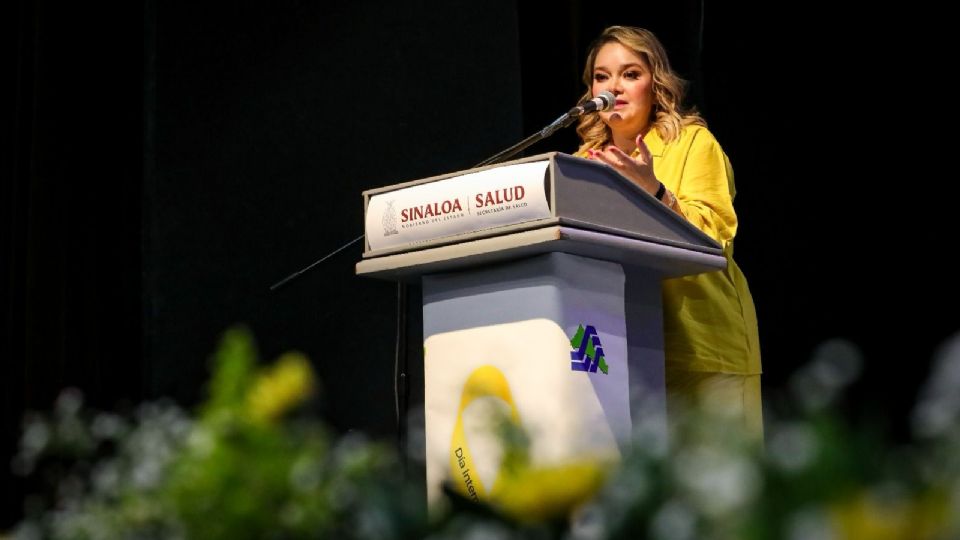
[71, 210]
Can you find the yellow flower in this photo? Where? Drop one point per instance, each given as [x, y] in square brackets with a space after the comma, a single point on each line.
[867, 516]
[281, 387]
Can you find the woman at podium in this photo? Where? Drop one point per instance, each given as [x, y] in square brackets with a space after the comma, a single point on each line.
[711, 341]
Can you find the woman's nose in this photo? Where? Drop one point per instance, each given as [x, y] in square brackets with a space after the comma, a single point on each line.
[615, 85]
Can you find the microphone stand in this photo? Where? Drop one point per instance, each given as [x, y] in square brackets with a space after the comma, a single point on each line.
[298, 273]
[401, 364]
[561, 122]
[565, 120]
[557, 124]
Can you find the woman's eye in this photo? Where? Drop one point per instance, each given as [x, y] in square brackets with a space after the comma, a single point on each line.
[632, 75]
[599, 77]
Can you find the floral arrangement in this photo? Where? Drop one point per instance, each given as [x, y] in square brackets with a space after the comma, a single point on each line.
[247, 465]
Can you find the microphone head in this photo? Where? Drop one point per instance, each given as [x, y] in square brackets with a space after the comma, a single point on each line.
[604, 101]
[608, 100]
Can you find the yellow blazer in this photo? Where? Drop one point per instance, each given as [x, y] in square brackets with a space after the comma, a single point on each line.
[710, 323]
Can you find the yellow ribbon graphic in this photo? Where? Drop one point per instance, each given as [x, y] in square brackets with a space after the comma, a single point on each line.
[485, 381]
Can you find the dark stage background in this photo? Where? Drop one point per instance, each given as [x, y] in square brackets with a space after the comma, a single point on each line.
[165, 162]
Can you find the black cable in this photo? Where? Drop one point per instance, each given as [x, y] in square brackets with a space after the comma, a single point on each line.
[400, 394]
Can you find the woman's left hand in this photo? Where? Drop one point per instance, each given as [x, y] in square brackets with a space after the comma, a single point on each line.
[639, 169]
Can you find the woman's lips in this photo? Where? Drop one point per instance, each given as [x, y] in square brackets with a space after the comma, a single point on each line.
[619, 104]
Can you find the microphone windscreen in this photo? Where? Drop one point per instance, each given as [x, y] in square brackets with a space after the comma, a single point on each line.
[608, 100]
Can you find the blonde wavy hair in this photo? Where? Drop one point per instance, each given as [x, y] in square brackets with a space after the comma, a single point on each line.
[668, 115]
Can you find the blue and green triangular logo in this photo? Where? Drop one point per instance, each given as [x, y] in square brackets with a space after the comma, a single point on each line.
[588, 355]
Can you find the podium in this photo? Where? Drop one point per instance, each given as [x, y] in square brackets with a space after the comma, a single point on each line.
[541, 307]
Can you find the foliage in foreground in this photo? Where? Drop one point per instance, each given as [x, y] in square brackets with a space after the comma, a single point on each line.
[245, 465]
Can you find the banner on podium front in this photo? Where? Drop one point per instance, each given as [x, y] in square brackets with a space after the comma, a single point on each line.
[525, 373]
[461, 204]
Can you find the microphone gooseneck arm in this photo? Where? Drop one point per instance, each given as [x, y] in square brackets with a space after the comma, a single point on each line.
[604, 101]
[561, 122]
[296, 274]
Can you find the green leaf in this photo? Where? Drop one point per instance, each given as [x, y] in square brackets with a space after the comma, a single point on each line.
[233, 365]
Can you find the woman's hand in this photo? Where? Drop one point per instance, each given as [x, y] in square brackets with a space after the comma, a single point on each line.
[639, 169]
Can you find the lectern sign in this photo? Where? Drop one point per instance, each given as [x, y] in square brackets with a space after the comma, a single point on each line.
[460, 204]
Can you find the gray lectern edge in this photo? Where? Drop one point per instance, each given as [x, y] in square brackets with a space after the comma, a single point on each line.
[595, 212]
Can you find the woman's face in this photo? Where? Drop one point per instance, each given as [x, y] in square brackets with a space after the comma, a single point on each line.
[620, 71]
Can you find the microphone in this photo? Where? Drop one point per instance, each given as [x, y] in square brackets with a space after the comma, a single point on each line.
[604, 101]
